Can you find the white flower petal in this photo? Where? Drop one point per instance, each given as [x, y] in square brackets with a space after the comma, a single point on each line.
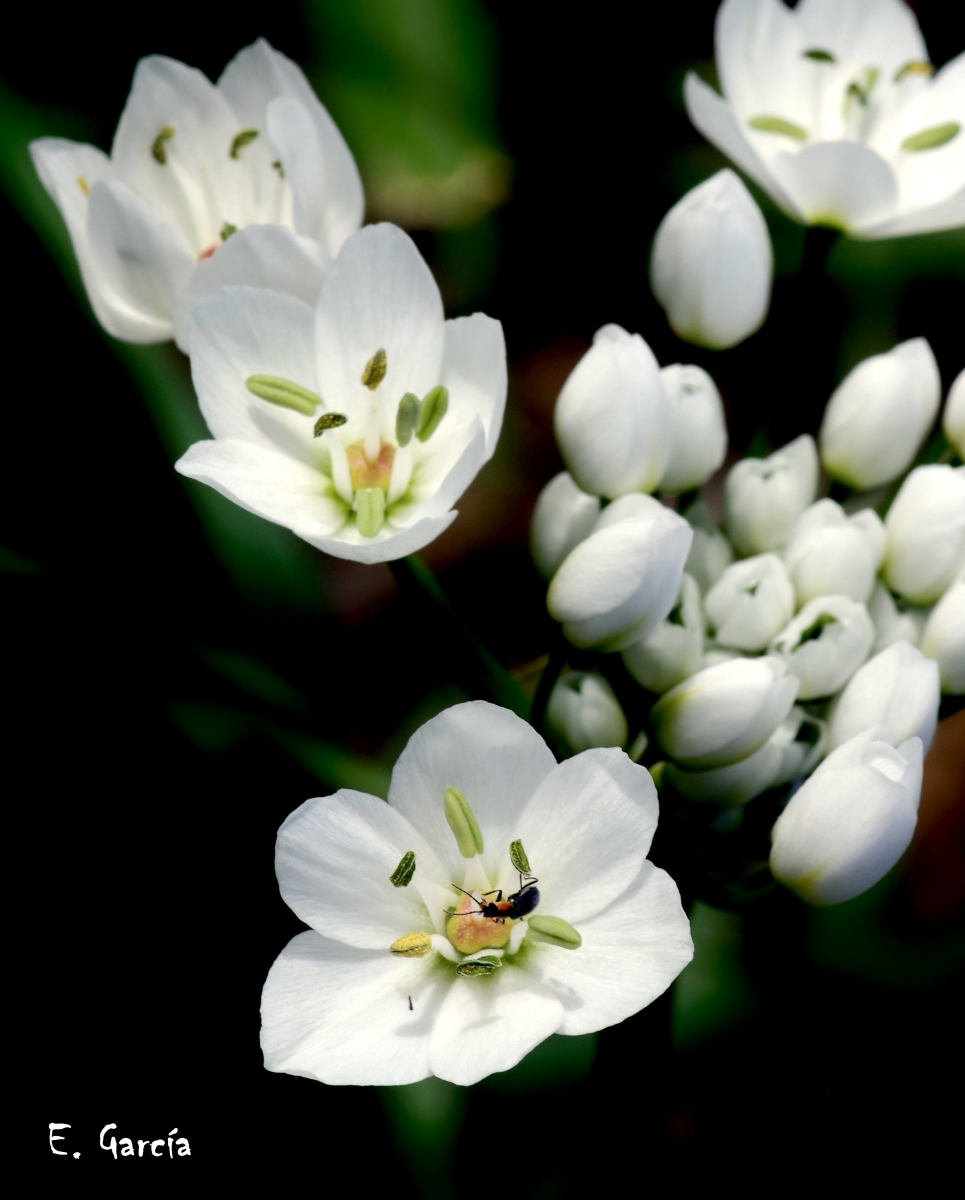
[948, 214]
[632, 951]
[489, 1024]
[333, 859]
[341, 1015]
[883, 32]
[387, 545]
[845, 184]
[495, 759]
[587, 830]
[474, 371]
[439, 478]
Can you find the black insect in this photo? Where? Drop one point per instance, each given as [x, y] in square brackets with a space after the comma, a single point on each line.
[519, 904]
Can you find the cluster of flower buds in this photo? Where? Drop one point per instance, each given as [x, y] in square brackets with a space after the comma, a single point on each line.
[799, 627]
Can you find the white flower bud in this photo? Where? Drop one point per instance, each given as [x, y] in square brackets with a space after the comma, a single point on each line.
[944, 638]
[672, 652]
[848, 825]
[724, 713]
[710, 551]
[612, 418]
[898, 688]
[825, 644]
[802, 741]
[699, 430]
[751, 601]
[891, 625]
[731, 785]
[563, 516]
[713, 655]
[763, 497]
[712, 264]
[926, 533]
[879, 415]
[621, 582]
[832, 554]
[953, 418]
[583, 710]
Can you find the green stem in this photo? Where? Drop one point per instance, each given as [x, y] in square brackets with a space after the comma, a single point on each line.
[473, 667]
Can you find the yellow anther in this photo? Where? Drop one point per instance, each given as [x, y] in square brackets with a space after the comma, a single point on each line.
[412, 945]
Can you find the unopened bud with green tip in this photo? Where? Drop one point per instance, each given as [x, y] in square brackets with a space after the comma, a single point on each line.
[375, 370]
[556, 931]
[412, 945]
[517, 856]
[402, 875]
[462, 822]
[486, 964]
[329, 421]
[431, 412]
[283, 392]
[407, 418]
[369, 510]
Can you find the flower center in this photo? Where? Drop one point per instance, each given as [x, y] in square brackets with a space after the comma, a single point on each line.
[370, 473]
[470, 931]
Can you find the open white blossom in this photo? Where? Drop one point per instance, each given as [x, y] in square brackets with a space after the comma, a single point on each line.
[248, 181]
[402, 975]
[832, 109]
[357, 425]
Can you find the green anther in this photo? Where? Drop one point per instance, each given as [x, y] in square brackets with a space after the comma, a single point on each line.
[402, 875]
[241, 140]
[157, 146]
[861, 91]
[280, 169]
[930, 139]
[407, 418]
[914, 68]
[227, 229]
[462, 822]
[517, 856]
[822, 56]
[412, 945]
[556, 931]
[329, 421]
[484, 965]
[369, 510]
[283, 392]
[434, 406]
[375, 370]
[779, 125]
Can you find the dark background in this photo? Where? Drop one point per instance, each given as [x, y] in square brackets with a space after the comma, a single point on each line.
[146, 914]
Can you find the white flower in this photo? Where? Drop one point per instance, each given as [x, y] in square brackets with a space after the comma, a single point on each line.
[830, 108]
[898, 688]
[248, 181]
[699, 431]
[671, 652]
[376, 476]
[710, 551]
[724, 712]
[802, 740]
[825, 644]
[831, 553]
[612, 419]
[926, 533]
[851, 821]
[880, 414]
[891, 625]
[712, 264]
[731, 785]
[387, 987]
[621, 582]
[585, 712]
[763, 497]
[944, 638]
[563, 517]
[953, 418]
[750, 602]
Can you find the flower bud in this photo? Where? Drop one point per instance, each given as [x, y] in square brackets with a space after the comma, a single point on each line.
[750, 602]
[699, 432]
[763, 497]
[892, 625]
[724, 713]
[562, 518]
[712, 264]
[953, 418]
[926, 533]
[710, 551]
[584, 711]
[731, 785]
[802, 741]
[612, 418]
[672, 652]
[833, 554]
[880, 414]
[825, 644]
[848, 824]
[620, 583]
[898, 688]
[944, 638]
